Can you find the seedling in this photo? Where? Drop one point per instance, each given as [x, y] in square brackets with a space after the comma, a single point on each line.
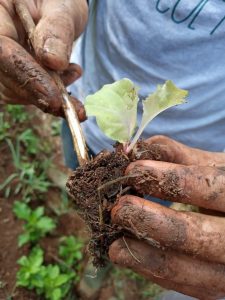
[4, 128]
[47, 281]
[70, 250]
[17, 113]
[115, 109]
[31, 176]
[37, 225]
[96, 185]
[55, 128]
[30, 141]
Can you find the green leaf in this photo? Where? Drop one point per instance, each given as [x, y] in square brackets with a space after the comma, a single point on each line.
[7, 181]
[38, 212]
[21, 210]
[23, 261]
[53, 271]
[56, 294]
[23, 239]
[166, 96]
[61, 279]
[45, 224]
[36, 258]
[115, 109]
[30, 268]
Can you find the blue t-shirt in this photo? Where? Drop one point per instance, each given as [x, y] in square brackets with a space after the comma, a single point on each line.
[150, 41]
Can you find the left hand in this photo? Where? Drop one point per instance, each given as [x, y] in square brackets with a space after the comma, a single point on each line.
[183, 251]
[25, 76]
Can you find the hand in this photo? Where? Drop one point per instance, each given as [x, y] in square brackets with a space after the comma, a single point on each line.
[183, 251]
[22, 79]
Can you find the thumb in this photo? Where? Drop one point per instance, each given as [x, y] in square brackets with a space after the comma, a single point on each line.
[61, 22]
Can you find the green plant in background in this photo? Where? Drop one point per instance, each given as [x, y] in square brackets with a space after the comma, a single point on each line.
[48, 280]
[56, 128]
[4, 126]
[37, 225]
[149, 290]
[30, 141]
[152, 291]
[30, 175]
[29, 180]
[17, 113]
[70, 251]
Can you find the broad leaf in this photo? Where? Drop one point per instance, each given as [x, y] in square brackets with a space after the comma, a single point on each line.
[21, 210]
[166, 96]
[38, 212]
[23, 239]
[115, 109]
[45, 224]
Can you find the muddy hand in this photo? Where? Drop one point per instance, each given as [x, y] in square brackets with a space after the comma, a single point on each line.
[22, 79]
[183, 251]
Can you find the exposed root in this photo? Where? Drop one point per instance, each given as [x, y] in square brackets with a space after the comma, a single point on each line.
[134, 257]
[95, 188]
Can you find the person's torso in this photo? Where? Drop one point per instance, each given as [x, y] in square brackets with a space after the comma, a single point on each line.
[150, 42]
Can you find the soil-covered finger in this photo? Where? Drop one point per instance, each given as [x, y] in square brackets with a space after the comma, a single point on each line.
[61, 22]
[170, 269]
[195, 185]
[196, 234]
[172, 151]
[79, 107]
[7, 27]
[28, 80]
[71, 74]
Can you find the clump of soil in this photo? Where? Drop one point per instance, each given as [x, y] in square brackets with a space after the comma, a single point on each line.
[95, 188]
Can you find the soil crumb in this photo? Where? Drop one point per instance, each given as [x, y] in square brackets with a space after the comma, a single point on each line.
[94, 187]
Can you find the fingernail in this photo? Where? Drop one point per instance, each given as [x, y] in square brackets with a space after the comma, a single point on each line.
[56, 53]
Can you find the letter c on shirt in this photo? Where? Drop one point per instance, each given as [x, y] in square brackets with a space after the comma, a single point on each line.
[160, 10]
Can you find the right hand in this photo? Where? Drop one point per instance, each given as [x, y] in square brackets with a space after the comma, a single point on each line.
[179, 250]
[22, 79]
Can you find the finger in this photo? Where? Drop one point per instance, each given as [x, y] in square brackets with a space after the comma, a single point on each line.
[76, 103]
[196, 234]
[166, 149]
[71, 74]
[22, 74]
[61, 22]
[170, 269]
[79, 107]
[7, 27]
[196, 185]
[25, 82]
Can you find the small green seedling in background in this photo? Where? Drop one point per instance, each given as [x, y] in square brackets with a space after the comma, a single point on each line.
[56, 128]
[70, 250]
[31, 175]
[17, 113]
[30, 141]
[37, 225]
[47, 281]
[115, 108]
[4, 126]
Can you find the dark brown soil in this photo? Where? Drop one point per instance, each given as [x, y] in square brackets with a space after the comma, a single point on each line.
[95, 188]
[94, 200]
